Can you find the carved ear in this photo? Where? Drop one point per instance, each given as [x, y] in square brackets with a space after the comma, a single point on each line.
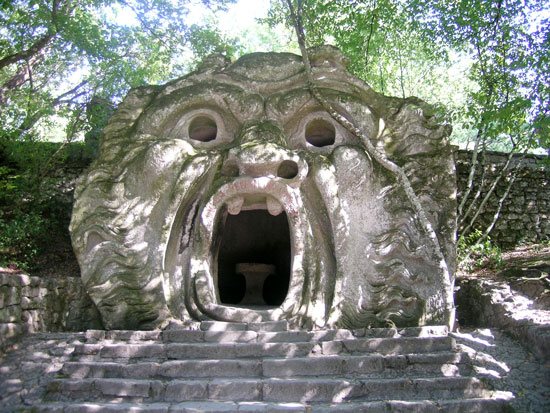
[213, 62]
[327, 56]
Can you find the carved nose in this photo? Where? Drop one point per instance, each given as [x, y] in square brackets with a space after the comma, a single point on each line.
[261, 153]
[262, 160]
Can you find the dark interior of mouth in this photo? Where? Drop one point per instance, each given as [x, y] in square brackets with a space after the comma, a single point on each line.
[254, 259]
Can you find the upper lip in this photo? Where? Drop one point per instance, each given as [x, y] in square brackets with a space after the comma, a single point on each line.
[249, 203]
[253, 193]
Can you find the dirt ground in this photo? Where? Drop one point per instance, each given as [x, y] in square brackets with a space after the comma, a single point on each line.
[56, 261]
[526, 269]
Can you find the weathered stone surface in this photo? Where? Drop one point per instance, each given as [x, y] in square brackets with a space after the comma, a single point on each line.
[9, 332]
[242, 336]
[420, 377]
[186, 390]
[183, 351]
[11, 314]
[9, 296]
[237, 166]
[210, 368]
[92, 370]
[269, 326]
[235, 389]
[222, 326]
[117, 387]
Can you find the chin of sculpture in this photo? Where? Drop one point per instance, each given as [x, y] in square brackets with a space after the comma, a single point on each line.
[230, 194]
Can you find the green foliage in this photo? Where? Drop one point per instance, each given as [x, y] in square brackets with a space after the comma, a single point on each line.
[21, 239]
[483, 63]
[473, 254]
[205, 41]
[63, 67]
[7, 183]
[21, 230]
[34, 204]
[57, 55]
[507, 49]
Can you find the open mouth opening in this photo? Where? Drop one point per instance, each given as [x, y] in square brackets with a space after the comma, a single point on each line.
[254, 257]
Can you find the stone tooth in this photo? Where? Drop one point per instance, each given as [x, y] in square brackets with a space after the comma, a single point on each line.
[273, 206]
[234, 205]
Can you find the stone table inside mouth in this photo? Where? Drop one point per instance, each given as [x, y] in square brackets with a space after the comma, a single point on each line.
[255, 275]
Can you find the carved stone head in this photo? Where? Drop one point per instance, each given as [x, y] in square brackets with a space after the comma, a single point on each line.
[230, 194]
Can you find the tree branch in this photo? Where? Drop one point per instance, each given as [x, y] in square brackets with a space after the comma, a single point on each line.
[30, 52]
[383, 161]
[401, 76]
[69, 92]
[499, 208]
[471, 175]
[37, 46]
[462, 216]
[31, 120]
[489, 193]
[370, 35]
[144, 23]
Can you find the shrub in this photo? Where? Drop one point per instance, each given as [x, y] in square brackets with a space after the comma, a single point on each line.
[34, 206]
[21, 239]
[474, 254]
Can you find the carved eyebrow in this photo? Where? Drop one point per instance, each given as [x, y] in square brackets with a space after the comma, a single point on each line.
[230, 101]
[284, 105]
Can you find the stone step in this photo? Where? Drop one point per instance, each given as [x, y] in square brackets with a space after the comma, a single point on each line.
[323, 390]
[373, 365]
[160, 352]
[444, 363]
[281, 325]
[265, 332]
[178, 351]
[265, 367]
[495, 404]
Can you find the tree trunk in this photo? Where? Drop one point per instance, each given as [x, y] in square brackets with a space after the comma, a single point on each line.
[462, 216]
[18, 79]
[496, 215]
[488, 194]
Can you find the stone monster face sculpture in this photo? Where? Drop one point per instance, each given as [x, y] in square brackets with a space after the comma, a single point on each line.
[230, 194]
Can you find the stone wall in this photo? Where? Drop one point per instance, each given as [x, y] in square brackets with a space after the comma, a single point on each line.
[31, 304]
[525, 213]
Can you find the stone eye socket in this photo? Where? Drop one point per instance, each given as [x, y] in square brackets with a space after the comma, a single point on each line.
[320, 132]
[203, 129]
[287, 169]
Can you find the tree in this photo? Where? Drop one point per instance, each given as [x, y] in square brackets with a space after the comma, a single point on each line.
[58, 54]
[510, 108]
[484, 63]
[411, 47]
[384, 47]
[63, 65]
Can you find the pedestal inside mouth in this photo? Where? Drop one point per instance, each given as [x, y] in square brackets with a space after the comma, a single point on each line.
[253, 258]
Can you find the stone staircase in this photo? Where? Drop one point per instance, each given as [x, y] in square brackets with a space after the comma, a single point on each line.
[264, 367]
